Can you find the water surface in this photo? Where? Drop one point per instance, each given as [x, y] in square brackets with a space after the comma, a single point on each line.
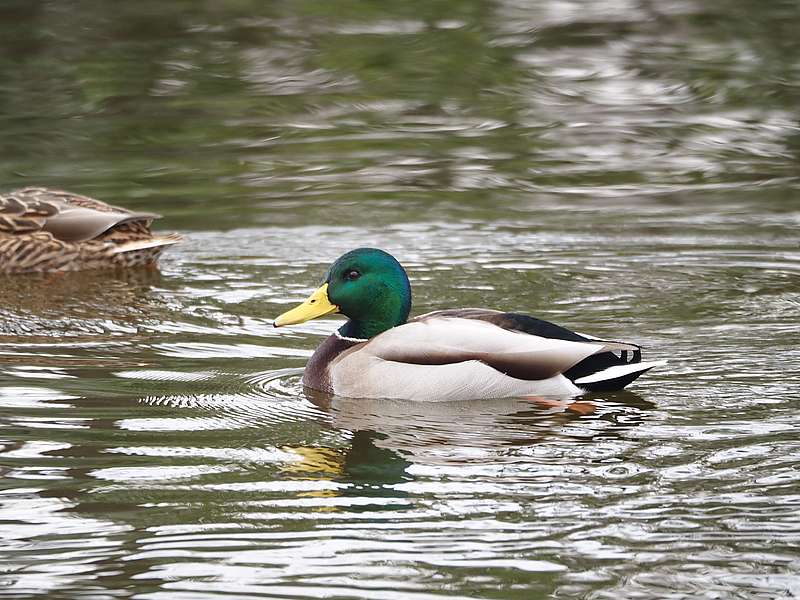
[627, 169]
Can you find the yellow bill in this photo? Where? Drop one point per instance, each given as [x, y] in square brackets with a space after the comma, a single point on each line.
[316, 305]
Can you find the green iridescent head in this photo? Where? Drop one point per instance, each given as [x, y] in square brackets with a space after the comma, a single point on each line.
[367, 285]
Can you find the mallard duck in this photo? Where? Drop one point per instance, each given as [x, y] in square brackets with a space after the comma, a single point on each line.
[43, 230]
[456, 354]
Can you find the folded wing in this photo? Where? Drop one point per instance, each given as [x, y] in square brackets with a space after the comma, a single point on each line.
[445, 340]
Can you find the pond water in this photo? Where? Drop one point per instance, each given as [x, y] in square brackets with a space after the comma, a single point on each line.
[625, 168]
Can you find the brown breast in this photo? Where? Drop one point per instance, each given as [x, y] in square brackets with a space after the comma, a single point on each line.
[316, 375]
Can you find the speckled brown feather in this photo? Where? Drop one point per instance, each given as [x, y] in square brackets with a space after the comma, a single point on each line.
[44, 230]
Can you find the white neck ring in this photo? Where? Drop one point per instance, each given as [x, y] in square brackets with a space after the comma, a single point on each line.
[349, 339]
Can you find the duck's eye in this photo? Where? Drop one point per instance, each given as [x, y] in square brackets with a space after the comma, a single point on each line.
[352, 275]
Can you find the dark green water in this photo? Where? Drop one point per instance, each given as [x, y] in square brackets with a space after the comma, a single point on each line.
[628, 169]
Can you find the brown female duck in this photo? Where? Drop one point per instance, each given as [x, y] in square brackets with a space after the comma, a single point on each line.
[44, 230]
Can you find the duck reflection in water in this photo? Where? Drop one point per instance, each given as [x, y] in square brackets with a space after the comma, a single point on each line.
[84, 302]
[389, 436]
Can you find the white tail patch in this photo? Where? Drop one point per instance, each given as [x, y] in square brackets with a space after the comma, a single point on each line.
[155, 242]
[618, 371]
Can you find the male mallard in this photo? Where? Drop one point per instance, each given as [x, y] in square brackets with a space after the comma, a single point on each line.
[456, 354]
[50, 230]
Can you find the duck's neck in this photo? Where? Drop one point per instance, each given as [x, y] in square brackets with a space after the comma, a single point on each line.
[363, 330]
[392, 312]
